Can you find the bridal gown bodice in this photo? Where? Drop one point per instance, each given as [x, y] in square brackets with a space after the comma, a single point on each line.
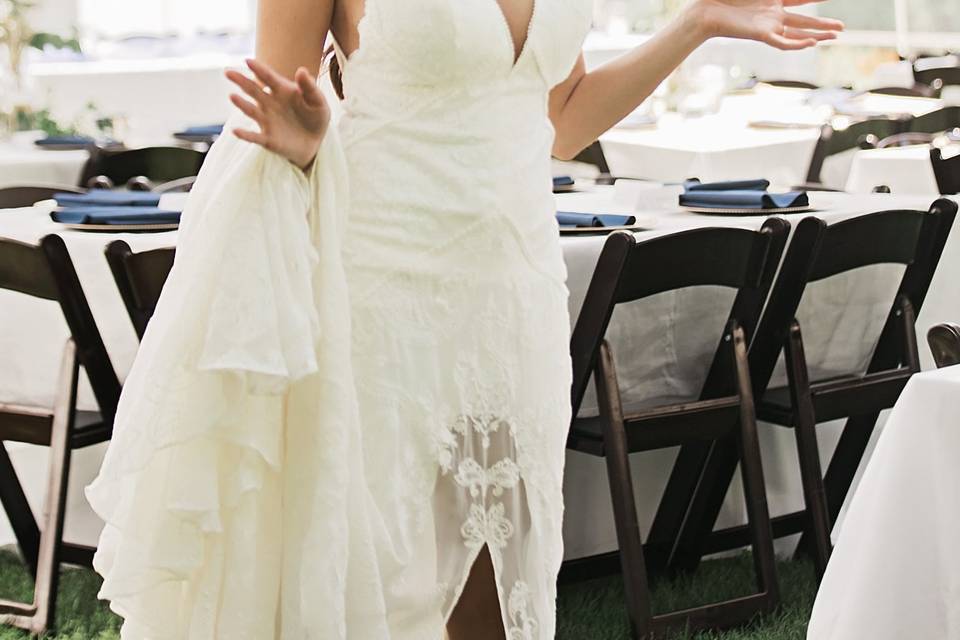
[358, 378]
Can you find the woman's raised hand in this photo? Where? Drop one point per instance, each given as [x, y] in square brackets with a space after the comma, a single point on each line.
[766, 21]
[293, 115]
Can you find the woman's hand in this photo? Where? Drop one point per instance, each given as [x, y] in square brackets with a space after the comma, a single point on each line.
[293, 115]
[766, 21]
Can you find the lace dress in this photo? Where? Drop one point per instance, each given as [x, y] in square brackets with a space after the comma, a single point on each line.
[359, 377]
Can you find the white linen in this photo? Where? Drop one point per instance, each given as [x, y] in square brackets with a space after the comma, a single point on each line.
[22, 162]
[906, 170]
[721, 146]
[894, 571]
[32, 334]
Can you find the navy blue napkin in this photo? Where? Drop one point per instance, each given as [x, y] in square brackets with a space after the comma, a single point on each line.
[202, 130]
[572, 219]
[108, 198]
[115, 215]
[739, 194]
[60, 140]
[562, 181]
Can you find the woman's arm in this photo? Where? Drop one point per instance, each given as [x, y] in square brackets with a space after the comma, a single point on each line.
[285, 101]
[586, 104]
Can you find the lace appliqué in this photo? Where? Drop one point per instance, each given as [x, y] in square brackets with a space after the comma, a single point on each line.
[523, 626]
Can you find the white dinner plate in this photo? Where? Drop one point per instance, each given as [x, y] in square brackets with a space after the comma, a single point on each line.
[602, 230]
[747, 212]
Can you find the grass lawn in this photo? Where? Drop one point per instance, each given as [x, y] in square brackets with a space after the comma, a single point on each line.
[587, 611]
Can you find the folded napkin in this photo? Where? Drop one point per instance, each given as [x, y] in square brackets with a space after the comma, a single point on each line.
[562, 181]
[115, 215]
[107, 198]
[203, 130]
[572, 219]
[739, 194]
[59, 140]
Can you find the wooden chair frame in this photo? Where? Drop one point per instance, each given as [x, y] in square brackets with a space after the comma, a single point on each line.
[944, 341]
[45, 271]
[724, 411]
[946, 171]
[27, 194]
[859, 398]
[140, 278]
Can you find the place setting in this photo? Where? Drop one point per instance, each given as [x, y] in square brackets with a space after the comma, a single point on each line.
[113, 211]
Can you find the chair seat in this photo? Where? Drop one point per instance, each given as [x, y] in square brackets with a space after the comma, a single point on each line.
[661, 427]
[835, 398]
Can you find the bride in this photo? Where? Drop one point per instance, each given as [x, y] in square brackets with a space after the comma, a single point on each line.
[348, 416]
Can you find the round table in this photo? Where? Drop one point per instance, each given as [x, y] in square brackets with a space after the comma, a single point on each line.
[22, 162]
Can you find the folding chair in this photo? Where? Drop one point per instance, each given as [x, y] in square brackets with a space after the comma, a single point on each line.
[26, 195]
[628, 271]
[946, 171]
[140, 278]
[45, 271]
[912, 238]
[864, 135]
[140, 168]
[944, 341]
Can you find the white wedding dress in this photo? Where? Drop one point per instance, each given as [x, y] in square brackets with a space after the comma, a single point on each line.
[358, 377]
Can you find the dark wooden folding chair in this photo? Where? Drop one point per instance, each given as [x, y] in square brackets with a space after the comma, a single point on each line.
[140, 169]
[916, 91]
[26, 195]
[946, 171]
[45, 271]
[912, 238]
[628, 271]
[944, 341]
[935, 122]
[865, 134]
[937, 77]
[140, 278]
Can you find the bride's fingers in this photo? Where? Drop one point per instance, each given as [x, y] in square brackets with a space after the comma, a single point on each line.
[801, 21]
[268, 76]
[788, 44]
[308, 87]
[248, 86]
[803, 34]
[249, 108]
[253, 136]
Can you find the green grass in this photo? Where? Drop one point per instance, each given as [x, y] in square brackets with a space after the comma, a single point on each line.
[587, 611]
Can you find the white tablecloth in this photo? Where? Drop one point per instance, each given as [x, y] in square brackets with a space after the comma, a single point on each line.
[673, 336]
[22, 162]
[906, 170]
[895, 572]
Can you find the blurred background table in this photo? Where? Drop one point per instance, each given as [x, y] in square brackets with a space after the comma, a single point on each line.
[22, 162]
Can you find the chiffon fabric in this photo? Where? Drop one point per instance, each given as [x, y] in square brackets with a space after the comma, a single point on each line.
[358, 377]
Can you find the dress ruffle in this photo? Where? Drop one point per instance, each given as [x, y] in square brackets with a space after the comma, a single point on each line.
[240, 410]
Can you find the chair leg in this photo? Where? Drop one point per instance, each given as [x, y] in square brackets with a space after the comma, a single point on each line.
[808, 453]
[18, 511]
[754, 487]
[40, 617]
[616, 452]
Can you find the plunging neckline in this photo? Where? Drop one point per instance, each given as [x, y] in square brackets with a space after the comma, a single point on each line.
[516, 54]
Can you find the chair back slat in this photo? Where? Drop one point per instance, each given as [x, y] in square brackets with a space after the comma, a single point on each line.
[140, 278]
[887, 237]
[26, 195]
[159, 164]
[629, 270]
[937, 121]
[700, 257]
[24, 268]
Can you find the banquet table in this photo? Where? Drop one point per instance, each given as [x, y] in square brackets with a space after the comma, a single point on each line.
[663, 346]
[895, 571]
[768, 132]
[22, 162]
[906, 170]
